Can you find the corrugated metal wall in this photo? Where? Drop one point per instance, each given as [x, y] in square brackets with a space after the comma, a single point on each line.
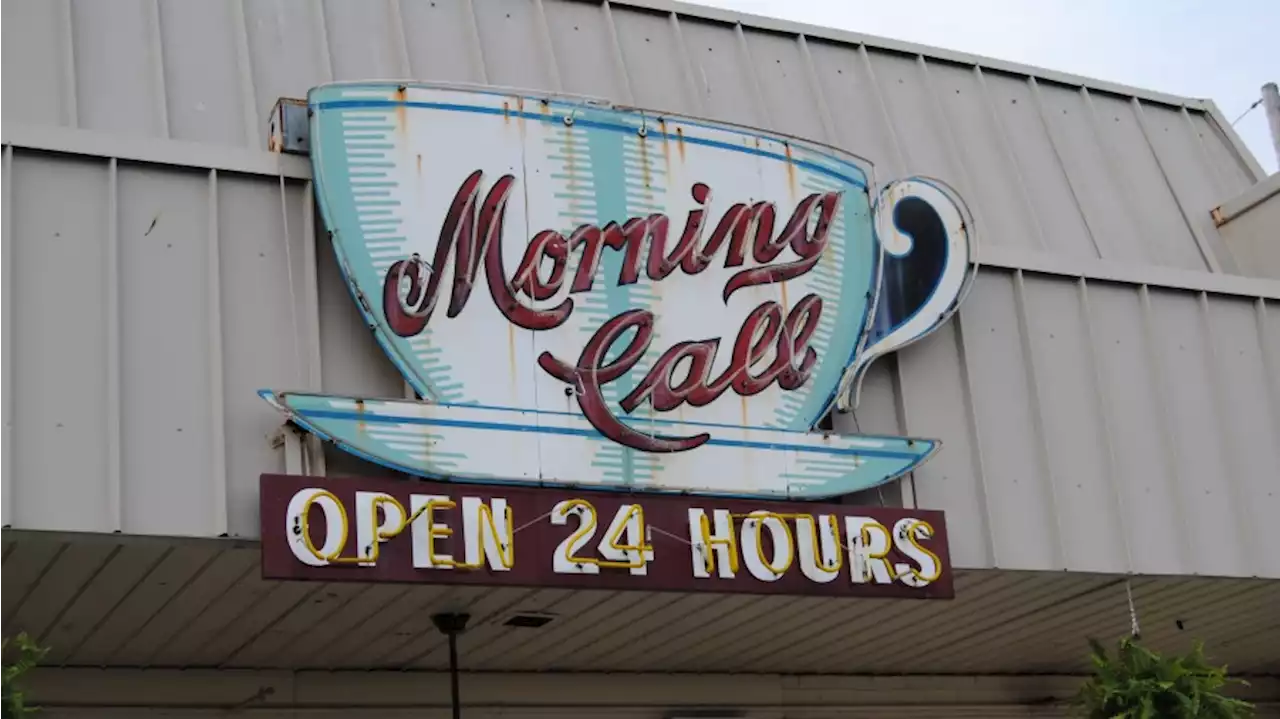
[1123, 422]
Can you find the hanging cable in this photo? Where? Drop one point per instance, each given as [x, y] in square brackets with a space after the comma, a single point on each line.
[1252, 107]
[1133, 612]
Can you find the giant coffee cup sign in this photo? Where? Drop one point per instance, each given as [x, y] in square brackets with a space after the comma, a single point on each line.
[603, 297]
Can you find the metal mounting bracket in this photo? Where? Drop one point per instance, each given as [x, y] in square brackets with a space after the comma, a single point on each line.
[290, 128]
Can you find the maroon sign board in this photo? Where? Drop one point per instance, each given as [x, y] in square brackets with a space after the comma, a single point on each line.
[384, 530]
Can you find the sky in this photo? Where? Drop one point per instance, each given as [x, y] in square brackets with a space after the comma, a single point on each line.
[1224, 50]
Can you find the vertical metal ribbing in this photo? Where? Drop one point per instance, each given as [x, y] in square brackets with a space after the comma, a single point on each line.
[696, 91]
[157, 69]
[1211, 260]
[70, 110]
[1104, 425]
[217, 420]
[824, 110]
[400, 39]
[1003, 134]
[254, 132]
[899, 152]
[949, 140]
[311, 308]
[1035, 393]
[752, 76]
[477, 48]
[624, 77]
[1218, 180]
[1270, 362]
[1234, 474]
[975, 441]
[111, 316]
[6, 328]
[1057, 156]
[322, 32]
[1171, 456]
[548, 46]
[1109, 160]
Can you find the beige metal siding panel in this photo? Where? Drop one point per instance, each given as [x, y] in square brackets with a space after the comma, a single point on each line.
[1145, 473]
[861, 122]
[441, 41]
[1232, 175]
[165, 353]
[1023, 518]
[203, 82]
[352, 362]
[8, 407]
[61, 209]
[1162, 235]
[1093, 185]
[264, 338]
[37, 63]
[1073, 425]
[1182, 348]
[583, 48]
[364, 40]
[1249, 421]
[937, 399]
[1040, 169]
[993, 182]
[654, 59]
[118, 83]
[287, 53]
[912, 111]
[786, 92]
[512, 44]
[720, 71]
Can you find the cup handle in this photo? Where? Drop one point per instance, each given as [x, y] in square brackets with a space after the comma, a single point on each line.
[925, 264]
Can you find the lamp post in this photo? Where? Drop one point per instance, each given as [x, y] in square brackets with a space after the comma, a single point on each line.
[451, 625]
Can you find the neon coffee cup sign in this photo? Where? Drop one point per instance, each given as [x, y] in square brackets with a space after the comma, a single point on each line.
[588, 295]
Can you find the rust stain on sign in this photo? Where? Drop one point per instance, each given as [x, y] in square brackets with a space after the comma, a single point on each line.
[402, 119]
[680, 142]
[791, 169]
[666, 145]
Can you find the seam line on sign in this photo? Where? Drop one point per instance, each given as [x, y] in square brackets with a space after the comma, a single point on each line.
[393, 419]
[613, 127]
[467, 424]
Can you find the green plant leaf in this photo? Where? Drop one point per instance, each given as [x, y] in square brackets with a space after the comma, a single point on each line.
[1138, 683]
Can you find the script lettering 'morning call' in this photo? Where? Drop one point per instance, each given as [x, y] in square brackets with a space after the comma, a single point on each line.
[598, 296]
[472, 235]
